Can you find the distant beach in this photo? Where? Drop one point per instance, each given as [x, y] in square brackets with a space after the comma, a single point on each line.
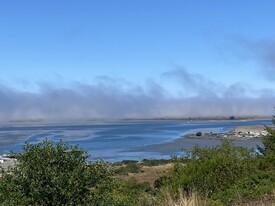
[256, 132]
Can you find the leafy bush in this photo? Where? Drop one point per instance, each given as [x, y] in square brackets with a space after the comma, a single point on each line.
[250, 188]
[127, 166]
[269, 143]
[157, 162]
[52, 174]
[161, 181]
[212, 171]
[120, 193]
[198, 134]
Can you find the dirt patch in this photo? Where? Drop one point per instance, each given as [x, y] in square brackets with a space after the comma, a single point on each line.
[248, 129]
[149, 173]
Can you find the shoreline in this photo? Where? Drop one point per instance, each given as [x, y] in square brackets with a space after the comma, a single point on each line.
[249, 136]
[257, 132]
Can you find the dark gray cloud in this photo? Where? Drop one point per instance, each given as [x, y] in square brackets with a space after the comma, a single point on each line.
[113, 99]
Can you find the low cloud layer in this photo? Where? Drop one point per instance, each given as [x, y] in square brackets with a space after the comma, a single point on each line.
[114, 99]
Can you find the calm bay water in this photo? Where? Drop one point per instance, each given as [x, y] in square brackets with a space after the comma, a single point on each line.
[115, 141]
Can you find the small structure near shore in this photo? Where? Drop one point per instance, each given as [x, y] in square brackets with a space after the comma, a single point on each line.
[245, 135]
[238, 133]
[6, 162]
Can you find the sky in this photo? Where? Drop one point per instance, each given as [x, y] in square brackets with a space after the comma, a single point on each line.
[110, 59]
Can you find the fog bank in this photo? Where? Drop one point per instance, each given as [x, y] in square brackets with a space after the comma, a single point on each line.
[115, 99]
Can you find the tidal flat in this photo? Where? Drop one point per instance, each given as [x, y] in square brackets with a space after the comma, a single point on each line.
[121, 140]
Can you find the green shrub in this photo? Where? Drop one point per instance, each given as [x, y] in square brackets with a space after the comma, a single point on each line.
[269, 143]
[161, 181]
[52, 174]
[213, 170]
[198, 134]
[250, 188]
[157, 162]
[127, 167]
[120, 193]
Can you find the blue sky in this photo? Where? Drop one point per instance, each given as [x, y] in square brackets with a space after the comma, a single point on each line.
[64, 44]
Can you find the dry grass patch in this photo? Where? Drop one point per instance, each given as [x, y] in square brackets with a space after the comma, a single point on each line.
[149, 173]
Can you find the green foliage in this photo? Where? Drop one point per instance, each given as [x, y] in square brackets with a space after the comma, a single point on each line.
[127, 166]
[125, 162]
[198, 134]
[269, 143]
[253, 187]
[162, 181]
[120, 193]
[52, 174]
[149, 163]
[268, 151]
[211, 171]
[59, 174]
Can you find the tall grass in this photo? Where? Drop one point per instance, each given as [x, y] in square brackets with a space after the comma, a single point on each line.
[181, 200]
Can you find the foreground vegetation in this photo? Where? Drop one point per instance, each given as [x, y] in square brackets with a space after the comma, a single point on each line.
[51, 173]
